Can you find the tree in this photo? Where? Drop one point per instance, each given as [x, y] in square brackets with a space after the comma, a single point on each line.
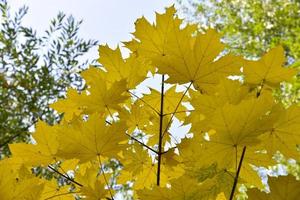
[35, 71]
[250, 28]
[235, 124]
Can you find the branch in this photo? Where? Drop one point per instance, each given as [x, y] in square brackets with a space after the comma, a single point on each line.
[161, 116]
[133, 138]
[237, 174]
[66, 177]
[141, 143]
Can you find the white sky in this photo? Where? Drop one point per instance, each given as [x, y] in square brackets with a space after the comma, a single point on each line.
[108, 21]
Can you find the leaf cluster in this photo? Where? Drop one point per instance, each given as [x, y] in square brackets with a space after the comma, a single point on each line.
[234, 124]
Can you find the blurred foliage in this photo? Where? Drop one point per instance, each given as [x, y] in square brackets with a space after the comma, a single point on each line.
[36, 70]
[251, 27]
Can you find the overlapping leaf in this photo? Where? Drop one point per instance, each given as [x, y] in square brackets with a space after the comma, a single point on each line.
[174, 51]
[91, 139]
[283, 187]
[269, 69]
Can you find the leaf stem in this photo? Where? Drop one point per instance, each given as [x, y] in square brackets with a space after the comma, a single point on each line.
[142, 100]
[106, 182]
[161, 116]
[141, 143]
[181, 111]
[133, 138]
[177, 106]
[237, 174]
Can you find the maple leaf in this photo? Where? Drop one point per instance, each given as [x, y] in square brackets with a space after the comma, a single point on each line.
[52, 191]
[101, 96]
[137, 118]
[69, 106]
[91, 139]
[234, 130]
[282, 187]
[227, 91]
[136, 159]
[172, 101]
[95, 192]
[241, 128]
[174, 51]
[41, 153]
[269, 69]
[19, 184]
[183, 188]
[284, 134]
[133, 69]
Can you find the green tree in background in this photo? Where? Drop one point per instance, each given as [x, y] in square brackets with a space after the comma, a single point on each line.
[251, 27]
[36, 70]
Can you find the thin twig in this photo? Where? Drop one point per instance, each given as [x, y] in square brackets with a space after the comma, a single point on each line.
[133, 138]
[237, 174]
[173, 114]
[161, 116]
[182, 111]
[106, 182]
[139, 98]
[112, 117]
[141, 143]
[66, 177]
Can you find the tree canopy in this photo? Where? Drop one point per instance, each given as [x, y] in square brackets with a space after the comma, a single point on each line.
[35, 70]
[235, 125]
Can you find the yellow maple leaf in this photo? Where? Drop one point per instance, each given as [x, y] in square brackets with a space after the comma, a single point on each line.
[133, 69]
[172, 100]
[101, 96]
[282, 187]
[284, 134]
[69, 106]
[269, 69]
[184, 57]
[19, 184]
[91, 139]
[183, 188]
[52, 191]
[41, 153]
[227, 91]
[137, 118]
